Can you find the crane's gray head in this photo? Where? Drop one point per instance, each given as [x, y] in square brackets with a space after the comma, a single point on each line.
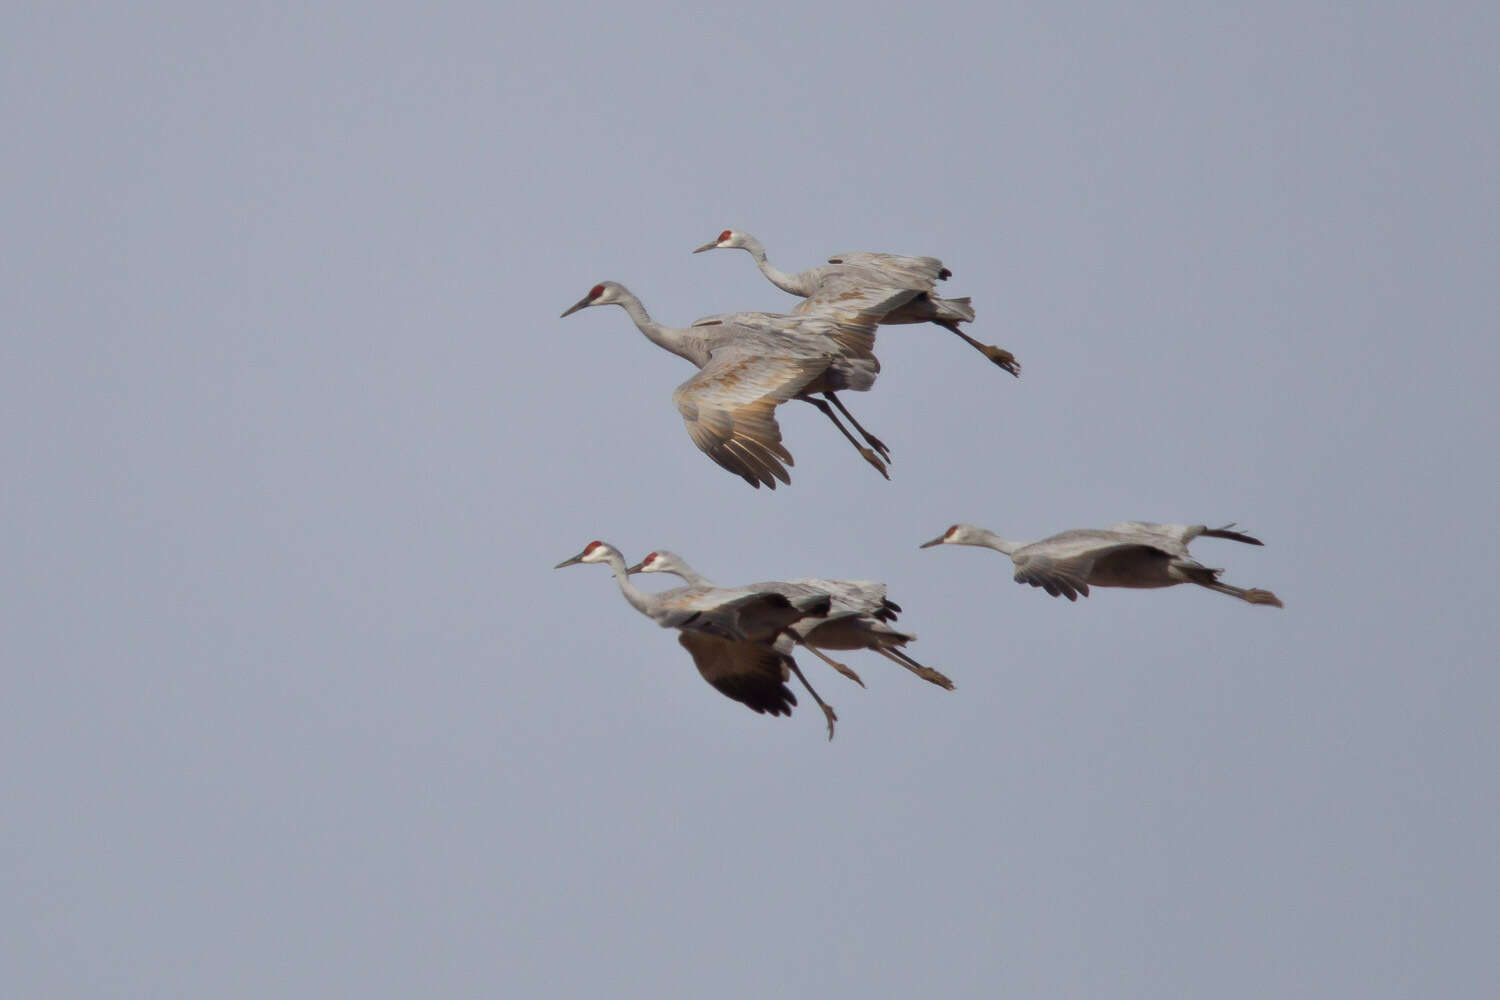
[959, 534]
[660, 561]
[601, 294]
[595, 551]
[729, 240]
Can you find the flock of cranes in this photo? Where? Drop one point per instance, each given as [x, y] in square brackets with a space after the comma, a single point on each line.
[742, 638]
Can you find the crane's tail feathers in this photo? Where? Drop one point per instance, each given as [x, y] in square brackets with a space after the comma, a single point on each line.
[947, 311]
[1236, 536]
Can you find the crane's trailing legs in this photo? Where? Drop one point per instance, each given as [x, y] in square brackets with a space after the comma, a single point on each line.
[998, 355]
[1250, 595]
[835, 664]
[869, 456]
[870, 439]
[926, 673]
[828, 711]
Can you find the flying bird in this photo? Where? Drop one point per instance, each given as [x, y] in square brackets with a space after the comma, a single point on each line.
[1128, 554]
[887, 288]
[859, 616]
[751, 363]
[732, 634]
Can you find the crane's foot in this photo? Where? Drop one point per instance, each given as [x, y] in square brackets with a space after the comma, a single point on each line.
[832, 718]
[928, 674]
[1003, 358]
[874, 460]
[879, 446]
[835, 664]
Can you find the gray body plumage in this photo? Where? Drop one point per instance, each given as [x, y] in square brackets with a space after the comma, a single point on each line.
[732, 634]
[1136, 554]
[859, 614]
[888, 288]
[750, 363]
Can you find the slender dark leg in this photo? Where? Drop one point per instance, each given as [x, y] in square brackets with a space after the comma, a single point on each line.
[870, 439]
[835, 664]
[998, 355]
[827, 710]
[926, 673]
[869, 455]
[1252, 595]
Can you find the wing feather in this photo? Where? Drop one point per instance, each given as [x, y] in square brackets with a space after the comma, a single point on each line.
[752, 674]
[1066, 577]
[730, 411]
[920, 273]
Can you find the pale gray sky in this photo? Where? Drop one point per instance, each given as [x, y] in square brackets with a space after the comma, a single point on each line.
[296, 706]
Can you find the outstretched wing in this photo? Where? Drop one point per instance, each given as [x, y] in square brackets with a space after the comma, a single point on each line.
[919, 273]
[854, 298]
[729, 408]
[1182, 534]
[1061, 565]
[1058, 577]
[1151, 532]
[753, 674]
[864, 596]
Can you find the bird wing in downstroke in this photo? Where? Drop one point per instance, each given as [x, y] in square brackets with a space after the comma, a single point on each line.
[753, 674]
[729, 613]
[1062, 568]
[809, 331]
[729, 408]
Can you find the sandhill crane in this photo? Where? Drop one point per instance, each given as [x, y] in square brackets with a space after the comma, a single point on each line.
[886, 287]
[750, 363]
[1128, 554]
[858, 618]
[732, 634]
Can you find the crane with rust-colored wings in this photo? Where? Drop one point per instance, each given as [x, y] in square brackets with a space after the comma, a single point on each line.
[859, 616]
[735, 635]
[884, 287]
[751, 363]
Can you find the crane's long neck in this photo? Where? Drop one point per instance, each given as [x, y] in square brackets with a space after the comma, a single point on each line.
[638, 598]
[990, 540]
[666, 337]
[794, 283]
[692, 577]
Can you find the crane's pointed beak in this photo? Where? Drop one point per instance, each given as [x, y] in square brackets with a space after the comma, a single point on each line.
[569, 562]
[708, 246]
[936, 541]
[636, 568]
[576, 306]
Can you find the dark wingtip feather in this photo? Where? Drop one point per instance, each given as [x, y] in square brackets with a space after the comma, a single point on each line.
[1234, 536]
